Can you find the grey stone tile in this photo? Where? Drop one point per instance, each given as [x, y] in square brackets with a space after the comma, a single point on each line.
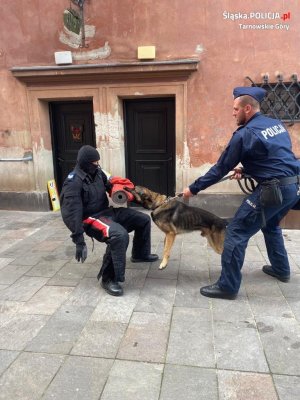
[5, 261]
[170, 272]
[232, 311]
[191, 338]
[11, 306]
[28, 376]
[6, 358]
[157, 296]
[86, 293]
[11, 273]
[47, 246]
[16, 330]
[80, 378]
[47, 300]
[270, 307]
[146, 338]
[282, 334]
[238, 347]
[27, 258]
[92, 271]
[249, 386]
[261, 286]
[292, 288]
[100, 339]
[191, 262]
[288, 387]
[294, 303]
[116, 309]
[69, 275]
[62, 252]
[188, 289]
[130, 380]
[23, 289]
[7, 248]
[62, 330]
[46, 268]
[135, 279]
[192, 383]
[254, 254]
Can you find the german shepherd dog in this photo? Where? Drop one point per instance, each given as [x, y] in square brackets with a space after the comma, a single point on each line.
[174, 217]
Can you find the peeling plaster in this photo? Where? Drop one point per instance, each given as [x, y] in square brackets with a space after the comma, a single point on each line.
[73, 40]
[199, 49]
[110, 142]
[101, 52]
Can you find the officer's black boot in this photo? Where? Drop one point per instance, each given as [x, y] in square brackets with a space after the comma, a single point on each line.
[112, 288]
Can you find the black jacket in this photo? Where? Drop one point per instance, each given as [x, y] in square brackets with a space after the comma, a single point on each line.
[82, 197]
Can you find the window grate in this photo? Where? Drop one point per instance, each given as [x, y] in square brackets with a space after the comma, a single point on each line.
[282, 100]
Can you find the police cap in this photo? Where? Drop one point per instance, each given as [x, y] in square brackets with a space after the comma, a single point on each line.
[256, 92]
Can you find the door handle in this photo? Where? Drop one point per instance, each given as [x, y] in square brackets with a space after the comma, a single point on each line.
[60, 159]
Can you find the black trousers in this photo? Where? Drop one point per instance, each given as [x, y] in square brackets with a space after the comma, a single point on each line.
[112, 226]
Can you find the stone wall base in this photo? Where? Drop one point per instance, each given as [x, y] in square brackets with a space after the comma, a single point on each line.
[25, 201]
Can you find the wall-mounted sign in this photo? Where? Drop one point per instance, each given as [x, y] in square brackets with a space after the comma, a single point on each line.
[72, 20]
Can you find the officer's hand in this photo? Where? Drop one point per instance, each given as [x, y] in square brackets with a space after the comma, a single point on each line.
[187, 193]
[81, 252]
[237, 173]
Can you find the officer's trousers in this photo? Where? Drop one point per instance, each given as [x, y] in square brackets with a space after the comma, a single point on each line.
[247, 222]
[112, 226]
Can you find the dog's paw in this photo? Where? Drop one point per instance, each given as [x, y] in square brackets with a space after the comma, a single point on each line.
[162, 266]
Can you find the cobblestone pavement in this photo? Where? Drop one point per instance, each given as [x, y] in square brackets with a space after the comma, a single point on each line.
[62, 337]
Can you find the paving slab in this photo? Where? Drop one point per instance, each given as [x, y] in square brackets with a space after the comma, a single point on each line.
[100, 339]
[28, 376]
[23, 289]
[191, 338]
[282, 334]
[235, 385]
[157, 296]
[61, 331]
[6, 358]
[130, 380]
[79, 378]
[238, 347]
[17, 329]
[288, 387]
[63, 337]
[192, 383]
[145, 338]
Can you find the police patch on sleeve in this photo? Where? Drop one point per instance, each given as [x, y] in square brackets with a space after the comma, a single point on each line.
[71, 176]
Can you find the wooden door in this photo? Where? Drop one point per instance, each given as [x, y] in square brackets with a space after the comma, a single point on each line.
[150, 143]
[72, 127]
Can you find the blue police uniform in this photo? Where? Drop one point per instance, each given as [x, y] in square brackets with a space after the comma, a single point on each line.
[263, 147]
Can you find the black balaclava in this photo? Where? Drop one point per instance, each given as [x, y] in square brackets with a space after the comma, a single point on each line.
[86, 155]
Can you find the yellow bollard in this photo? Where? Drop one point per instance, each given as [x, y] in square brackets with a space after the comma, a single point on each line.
[53, 195]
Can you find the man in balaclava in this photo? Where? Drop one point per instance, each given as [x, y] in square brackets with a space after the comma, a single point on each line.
[85, 209]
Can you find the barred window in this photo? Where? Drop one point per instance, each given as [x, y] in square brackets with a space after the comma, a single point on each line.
[282, 100]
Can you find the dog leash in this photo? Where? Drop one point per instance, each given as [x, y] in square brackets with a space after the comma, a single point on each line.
[248, 182]
[249, 185]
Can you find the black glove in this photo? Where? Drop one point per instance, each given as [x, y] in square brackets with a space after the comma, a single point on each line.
[81, 252]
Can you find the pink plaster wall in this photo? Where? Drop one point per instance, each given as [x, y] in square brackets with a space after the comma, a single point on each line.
[29, 35]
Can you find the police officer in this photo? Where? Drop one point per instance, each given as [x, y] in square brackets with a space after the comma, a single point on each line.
[85, 209]
[263, 147]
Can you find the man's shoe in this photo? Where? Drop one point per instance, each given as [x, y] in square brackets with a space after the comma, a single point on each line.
[267, 269]
[149, 258]
[112, 288]
[216, 292]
